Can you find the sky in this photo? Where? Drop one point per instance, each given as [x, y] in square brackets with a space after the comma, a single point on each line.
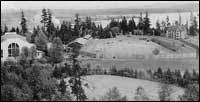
[82, 4]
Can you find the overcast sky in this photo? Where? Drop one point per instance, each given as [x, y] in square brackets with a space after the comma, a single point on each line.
[81, 4]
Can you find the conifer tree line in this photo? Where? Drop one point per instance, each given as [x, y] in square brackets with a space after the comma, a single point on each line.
[67, 33]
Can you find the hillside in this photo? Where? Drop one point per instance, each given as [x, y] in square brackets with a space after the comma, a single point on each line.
[98, 85]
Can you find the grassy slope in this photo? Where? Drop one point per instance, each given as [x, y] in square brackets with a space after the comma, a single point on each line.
[100, 84]
[126, 52]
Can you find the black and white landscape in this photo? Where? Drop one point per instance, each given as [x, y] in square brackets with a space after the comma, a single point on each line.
[99, 51]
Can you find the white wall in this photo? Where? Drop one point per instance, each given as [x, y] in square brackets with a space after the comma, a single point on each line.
[7, 42]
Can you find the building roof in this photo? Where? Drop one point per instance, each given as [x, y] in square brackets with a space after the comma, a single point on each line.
[176, 27]
[81, 41]
[87, 37]
[12, 35]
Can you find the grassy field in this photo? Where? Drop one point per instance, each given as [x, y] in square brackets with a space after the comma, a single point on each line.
[122, 51]
[153, 64]
[98, 85]
[124, 47]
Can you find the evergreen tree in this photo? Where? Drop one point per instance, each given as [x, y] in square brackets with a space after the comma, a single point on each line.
[140, 94]
[167, 21]
[17, 30]
[88, 22]
[44, 17]
[41, 41]
[5, 29]
[158, 30]
[140, 24]
[56, 51]
[187, 75]
[23, 24]
[63, 86]
[191, 93]
[165, 92]
[50, 26]
[146, 24]
[124, 25]
[75, 80]
[12, 29]
[77, 25]
[131, 25]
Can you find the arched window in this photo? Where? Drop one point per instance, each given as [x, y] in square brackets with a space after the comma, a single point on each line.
[13, 50]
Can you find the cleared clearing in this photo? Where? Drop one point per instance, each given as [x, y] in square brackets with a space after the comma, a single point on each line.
[124, 47]
[131, 52]
[98, 85]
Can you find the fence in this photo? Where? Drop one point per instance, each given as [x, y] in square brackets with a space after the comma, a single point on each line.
[185, 55]
[88, 54]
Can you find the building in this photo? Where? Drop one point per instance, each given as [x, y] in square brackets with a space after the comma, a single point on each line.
[11, 45]
[176, 32]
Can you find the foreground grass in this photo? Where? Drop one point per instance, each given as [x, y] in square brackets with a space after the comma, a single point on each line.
[96, 86]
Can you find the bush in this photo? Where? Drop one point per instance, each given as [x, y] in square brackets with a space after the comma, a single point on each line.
[113, 95]
[156, 51]
[191, 93]
[141, 95]
[165, 92]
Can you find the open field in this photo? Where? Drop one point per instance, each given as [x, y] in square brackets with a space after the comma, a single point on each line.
[153, 64]
[98, 85]
[123, 52]
[124, 47]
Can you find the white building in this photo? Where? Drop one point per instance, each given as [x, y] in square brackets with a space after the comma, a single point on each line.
[176, 32]
[11, 45]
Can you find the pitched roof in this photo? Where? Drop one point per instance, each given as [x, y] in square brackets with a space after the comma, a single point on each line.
[175, 27]
[12, 35]
[81, 41]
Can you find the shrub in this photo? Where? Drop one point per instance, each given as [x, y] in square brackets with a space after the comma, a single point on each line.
[191, 93]
[165, 92]
[113, 95]
[140, 94]
[156, 51]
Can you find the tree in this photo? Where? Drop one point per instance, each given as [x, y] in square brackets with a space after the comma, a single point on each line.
[124, 25]
[24, 28]
[140, 24]
[63, 86]
[41, 41]
[12, 29]
[159, 73]
[50, 26]
[77, 25]
[113, 95]
[10, 93]
[44, 17]
[191, 93]
[140, 94]
[158, 28]
[17, 30]
[1, 31]
[146, 24]
[131, 25]
[195, 76]
[24, 57]
[76, 72]
[165, 92]
[88, 22]
[5, 29]
[187, 75]
[56, 51]
[167, 21]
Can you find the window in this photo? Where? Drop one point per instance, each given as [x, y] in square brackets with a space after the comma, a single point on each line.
[13, 50]
[1, 53]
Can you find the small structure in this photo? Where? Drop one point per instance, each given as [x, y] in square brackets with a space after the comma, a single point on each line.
[176, 32]
[11, 45]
